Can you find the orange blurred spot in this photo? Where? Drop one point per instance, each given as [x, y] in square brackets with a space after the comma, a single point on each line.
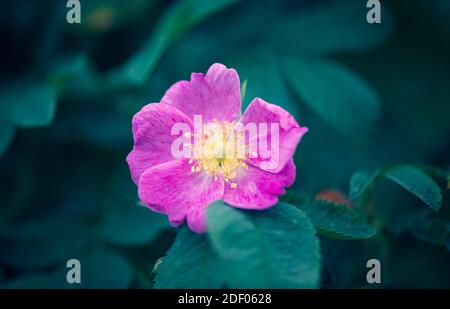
[101, 19]
[335, 196]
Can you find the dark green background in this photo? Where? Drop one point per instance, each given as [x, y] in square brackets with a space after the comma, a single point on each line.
[68, 92]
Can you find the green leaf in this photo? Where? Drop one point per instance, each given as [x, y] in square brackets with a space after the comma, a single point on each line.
[275, 248]
[28, 106]
[417, 182]
[332, 220]
[336, 94]
[360, 182]
[180, 18]
[133, 226]
[189, 263]
[6, 136]
[336, 26]
[337, 221]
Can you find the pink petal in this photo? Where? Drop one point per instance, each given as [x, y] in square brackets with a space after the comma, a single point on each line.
[258, 189]
[290, 133]
[185, 195]
[152, 137]
[215, 95]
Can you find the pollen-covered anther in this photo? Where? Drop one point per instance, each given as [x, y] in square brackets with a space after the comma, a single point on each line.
[217, 152]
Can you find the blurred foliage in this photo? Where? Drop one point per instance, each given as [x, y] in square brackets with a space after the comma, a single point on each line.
[374, 97]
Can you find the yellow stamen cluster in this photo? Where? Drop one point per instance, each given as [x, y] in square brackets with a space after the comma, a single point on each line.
[219, 151]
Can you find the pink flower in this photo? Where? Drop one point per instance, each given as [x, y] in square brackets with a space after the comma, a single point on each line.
[183, 187]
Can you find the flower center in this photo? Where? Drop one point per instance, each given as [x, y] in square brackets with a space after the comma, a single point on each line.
[219, 150]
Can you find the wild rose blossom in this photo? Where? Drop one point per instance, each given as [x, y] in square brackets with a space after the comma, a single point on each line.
[183, 187]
